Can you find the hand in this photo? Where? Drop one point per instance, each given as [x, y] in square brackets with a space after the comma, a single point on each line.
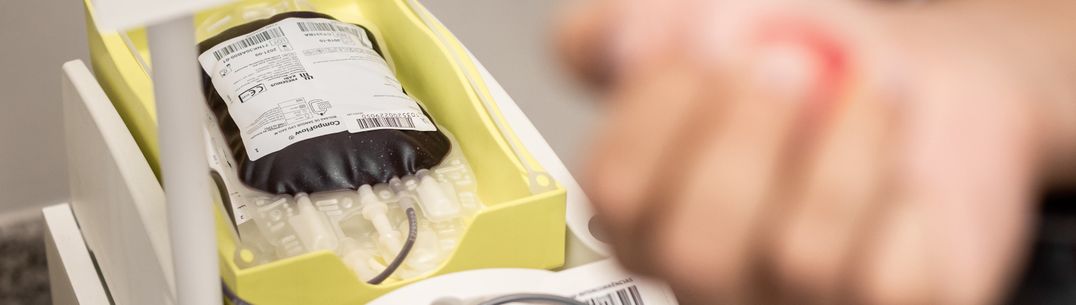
[832, 153]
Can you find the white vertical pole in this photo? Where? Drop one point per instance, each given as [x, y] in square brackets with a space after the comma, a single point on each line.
[184, 169]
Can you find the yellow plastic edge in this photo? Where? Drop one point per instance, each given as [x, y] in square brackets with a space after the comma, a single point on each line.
[119, 79]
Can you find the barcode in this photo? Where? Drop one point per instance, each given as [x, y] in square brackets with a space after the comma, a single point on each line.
[625, 296]
[371, 123]
[328, 26]
[248, 42]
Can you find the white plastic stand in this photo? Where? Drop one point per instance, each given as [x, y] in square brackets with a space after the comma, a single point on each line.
[69, 261]
[184, 166]
[116, 199]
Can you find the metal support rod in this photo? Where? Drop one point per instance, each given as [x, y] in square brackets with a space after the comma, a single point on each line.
[184, 168]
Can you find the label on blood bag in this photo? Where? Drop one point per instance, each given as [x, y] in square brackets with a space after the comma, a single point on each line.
[220, 163]
[301, 78]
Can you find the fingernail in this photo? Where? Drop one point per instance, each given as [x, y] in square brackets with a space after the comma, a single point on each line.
[788, 71]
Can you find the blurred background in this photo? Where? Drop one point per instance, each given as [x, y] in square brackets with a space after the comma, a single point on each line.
[510, 37]
[40, 35]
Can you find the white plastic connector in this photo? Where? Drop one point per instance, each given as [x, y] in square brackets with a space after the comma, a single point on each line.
[436, 205]
[375, 210]
[400, 188]
[313, 228]
[357, 259]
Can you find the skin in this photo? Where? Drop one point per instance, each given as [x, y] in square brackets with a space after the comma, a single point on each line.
[826, 151]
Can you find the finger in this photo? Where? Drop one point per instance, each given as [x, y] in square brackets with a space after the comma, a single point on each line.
[644, 132]
[978, 189]
[834, 199]
[967, 175]
[705, 245]
[895, 267]
[646, 29]
[601, 40]
[583, 36]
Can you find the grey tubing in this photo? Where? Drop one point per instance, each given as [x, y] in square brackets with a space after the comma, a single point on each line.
[532, 297]
[412, 233]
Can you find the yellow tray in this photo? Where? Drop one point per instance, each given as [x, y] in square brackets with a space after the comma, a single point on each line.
[516, 229]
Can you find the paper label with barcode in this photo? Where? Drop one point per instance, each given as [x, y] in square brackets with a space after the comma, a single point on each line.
[301, 78]
[605, 283]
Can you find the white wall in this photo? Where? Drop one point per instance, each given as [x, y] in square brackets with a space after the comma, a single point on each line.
[36, 36]
[513, 39]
